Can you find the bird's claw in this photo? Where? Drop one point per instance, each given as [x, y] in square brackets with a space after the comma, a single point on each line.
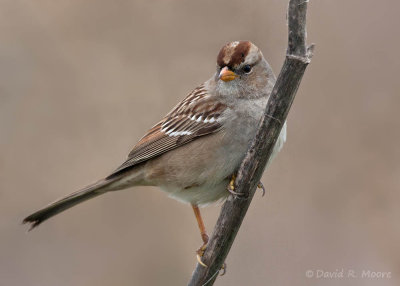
[223, 268]
[200, 253]
[261, 187]
[231, 187]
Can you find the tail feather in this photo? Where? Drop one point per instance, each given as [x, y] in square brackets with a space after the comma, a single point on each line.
[67, 202]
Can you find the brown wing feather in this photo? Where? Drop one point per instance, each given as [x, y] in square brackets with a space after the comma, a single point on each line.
[197, 115]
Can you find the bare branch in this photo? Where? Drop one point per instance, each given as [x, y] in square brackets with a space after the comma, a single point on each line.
[250, 172]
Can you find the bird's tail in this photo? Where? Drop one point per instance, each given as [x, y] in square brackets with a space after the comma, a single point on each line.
[69, 201]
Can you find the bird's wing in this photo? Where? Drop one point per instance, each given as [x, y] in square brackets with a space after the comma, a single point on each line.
[197, 115]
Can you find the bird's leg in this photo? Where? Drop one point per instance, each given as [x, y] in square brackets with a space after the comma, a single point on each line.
[203, 234]
[204, 237]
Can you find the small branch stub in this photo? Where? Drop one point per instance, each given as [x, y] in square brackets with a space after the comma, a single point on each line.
[250, 172]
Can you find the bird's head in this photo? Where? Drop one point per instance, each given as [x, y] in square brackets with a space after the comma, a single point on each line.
[242, 70]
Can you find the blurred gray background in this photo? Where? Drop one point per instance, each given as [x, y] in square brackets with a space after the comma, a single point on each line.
[80, 83]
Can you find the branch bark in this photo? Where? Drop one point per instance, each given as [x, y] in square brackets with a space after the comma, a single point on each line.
[234, 209]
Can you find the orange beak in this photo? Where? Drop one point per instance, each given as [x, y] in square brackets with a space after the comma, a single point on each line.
[227, 75]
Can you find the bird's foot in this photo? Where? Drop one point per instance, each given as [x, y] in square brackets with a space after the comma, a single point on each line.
[231, 187]
[200, 253]
[261, 187]
[223, 268]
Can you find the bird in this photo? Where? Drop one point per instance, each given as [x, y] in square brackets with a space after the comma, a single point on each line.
[194, 152]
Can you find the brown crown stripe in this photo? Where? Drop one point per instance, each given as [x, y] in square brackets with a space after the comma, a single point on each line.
[237, 55]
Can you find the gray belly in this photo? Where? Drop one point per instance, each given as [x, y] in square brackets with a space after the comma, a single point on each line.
[199, 172]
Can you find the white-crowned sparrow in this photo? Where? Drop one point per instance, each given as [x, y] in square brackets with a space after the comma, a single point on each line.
[193, 152]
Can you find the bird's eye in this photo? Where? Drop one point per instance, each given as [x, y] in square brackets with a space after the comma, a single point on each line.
[247, 68]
